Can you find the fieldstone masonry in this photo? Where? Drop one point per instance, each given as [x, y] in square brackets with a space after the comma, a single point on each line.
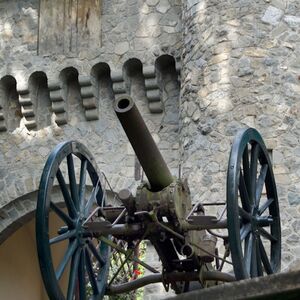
[240, 67]
[199, 70]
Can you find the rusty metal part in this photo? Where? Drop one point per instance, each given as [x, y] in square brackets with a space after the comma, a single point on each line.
[143, 144]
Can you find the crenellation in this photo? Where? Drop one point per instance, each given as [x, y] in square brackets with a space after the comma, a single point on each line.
[58, 105]
[57, 95]
[89, 101]
[27, 109]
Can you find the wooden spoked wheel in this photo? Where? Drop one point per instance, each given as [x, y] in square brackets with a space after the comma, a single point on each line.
[252, 208]
[73, 263]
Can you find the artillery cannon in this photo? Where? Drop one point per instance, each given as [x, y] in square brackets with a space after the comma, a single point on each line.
[80, 224]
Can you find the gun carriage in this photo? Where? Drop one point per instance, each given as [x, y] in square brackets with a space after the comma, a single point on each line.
[90, 230]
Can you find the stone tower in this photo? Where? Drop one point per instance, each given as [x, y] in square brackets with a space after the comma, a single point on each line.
[240, 67]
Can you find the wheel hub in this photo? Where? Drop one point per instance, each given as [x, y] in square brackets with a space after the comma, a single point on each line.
[81, 233]
[254, 224]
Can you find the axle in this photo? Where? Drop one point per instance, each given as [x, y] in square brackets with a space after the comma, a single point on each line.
[168, 278]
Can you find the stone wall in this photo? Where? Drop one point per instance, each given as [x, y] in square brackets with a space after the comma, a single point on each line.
[135, 28]
[241, 68]
[49, 98]
[52, 92]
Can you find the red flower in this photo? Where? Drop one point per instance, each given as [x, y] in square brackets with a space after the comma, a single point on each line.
[137, 272]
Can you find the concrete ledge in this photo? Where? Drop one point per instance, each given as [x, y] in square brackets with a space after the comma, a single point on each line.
[283, 286]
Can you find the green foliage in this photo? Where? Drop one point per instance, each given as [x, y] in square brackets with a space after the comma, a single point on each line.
[129, 271]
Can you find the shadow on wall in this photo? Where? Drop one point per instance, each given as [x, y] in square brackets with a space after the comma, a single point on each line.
[71, 95]
[40, 98]
[102, 89]
[10, 108]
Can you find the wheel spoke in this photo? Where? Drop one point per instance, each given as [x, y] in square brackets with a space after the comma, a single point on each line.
[260, 183]
[264, 258]
[267, 235]
[90, 272]
[248, 253]
[62, 214]
[253, 170]
[82, 183]
[81, 277]
[265, 206]
[72, 180]
[254, 258]
[73, 274]
[244, 193]
[69, 253]
[91, 201]
[96, 253]
[258, 258]
[69, 234]
[244, 231]
[68, 200]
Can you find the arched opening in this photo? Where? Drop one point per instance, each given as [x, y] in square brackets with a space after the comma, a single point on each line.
[39, 94]
[9, 105]
[135, 81]
[71, 94]
[102, 86]
[167, 79]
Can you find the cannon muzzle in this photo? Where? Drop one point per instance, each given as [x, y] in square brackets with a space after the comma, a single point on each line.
[150, 158]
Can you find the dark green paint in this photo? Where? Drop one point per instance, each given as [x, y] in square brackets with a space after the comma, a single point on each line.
[78, 252]
[246, 225]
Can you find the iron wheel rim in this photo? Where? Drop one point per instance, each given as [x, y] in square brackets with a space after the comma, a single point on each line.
[79, 258]
[249, 228]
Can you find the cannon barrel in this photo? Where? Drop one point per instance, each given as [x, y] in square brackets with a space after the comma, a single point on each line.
[150, 158]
